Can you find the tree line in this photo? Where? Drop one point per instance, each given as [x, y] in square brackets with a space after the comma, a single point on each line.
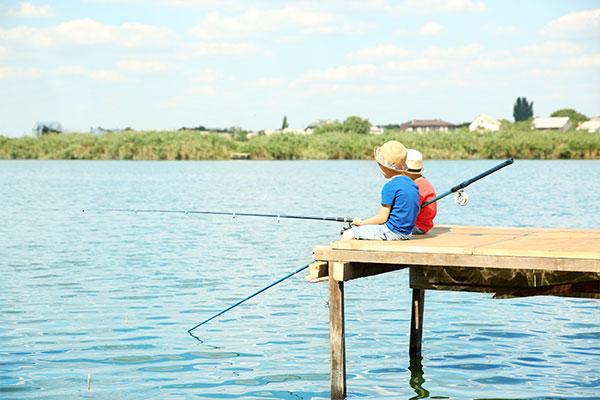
[522, 111]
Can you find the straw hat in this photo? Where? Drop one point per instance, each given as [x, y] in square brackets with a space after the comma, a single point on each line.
[391, 155]
[414, 162]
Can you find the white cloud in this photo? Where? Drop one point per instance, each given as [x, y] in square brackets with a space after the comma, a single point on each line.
[3, 52]
[496, 61]
[414, 7]
[291, 19]
[431, 29]
[83, 31]
[369, 5]
[381, 51]
[453, 52]
[193, 3]
[550, 73]
[419, 64]
[344, 91]
[19, 73]
[548, 48]
[324, 90]
[29, 10]
[140, 35]
[20, 34]
[206, 49]
[339, 74]
[428, 7]
[208, 75]
[226, 5]
[138, 66]
[89, 32]
[583, 62]
[575, 23]
[267, 83]
[109, 76]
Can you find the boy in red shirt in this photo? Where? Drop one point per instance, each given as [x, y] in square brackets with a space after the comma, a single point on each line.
[414, 161]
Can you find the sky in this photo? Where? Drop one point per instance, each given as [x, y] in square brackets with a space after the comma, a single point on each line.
[164, 64]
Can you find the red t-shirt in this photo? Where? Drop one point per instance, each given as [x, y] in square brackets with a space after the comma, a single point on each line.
[427, 214]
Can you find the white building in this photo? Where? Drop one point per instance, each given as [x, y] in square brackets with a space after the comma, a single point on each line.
[427, 125]
[593, 125]
[376, 130]
[553, 123]
[296, 131]
[485, 122]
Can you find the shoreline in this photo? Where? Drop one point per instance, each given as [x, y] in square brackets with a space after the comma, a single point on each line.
[193, 145]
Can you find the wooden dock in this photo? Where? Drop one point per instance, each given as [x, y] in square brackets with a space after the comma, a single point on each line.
[509, 262]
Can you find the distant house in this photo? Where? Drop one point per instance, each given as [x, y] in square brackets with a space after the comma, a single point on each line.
[552, 123]
[376, 130]
[485, 122]
[270, 132]
[426, 125]
[310, 128]
[296, 131]
[593, 125]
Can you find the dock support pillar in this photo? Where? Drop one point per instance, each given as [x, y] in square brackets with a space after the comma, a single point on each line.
[337, 338]
[416, 322]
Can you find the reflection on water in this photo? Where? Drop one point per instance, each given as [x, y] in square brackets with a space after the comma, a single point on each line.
[116, 294]
[416, 377]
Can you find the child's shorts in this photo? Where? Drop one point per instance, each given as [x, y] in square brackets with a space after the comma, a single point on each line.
[418, 231]
[377, 232]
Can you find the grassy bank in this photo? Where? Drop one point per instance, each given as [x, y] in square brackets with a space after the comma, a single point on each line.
[193, 145]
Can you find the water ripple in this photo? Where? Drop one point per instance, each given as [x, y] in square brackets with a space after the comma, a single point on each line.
[112, 295]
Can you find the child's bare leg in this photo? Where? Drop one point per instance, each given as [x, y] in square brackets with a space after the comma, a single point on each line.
[348, 235]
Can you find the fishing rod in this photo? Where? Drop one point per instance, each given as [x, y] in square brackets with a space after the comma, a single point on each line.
[233, 214]
[249, 297]
[456, 189]
[461, 197]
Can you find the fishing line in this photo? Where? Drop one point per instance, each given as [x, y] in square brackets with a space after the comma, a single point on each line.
[248, 298]
[233, 214]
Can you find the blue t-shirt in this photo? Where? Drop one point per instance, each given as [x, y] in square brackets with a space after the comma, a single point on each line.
[403, 195]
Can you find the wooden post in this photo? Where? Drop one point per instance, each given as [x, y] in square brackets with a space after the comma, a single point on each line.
[337, 338]
[416, 322]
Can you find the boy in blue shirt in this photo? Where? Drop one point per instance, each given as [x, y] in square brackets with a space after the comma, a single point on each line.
[399, 200]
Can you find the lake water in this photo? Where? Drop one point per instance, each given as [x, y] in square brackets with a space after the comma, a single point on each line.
[112, 295]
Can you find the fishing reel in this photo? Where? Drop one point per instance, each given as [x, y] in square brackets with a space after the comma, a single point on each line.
[345, 228]
[461, 198]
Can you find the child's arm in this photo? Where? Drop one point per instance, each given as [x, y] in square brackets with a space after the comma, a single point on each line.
[380, 218]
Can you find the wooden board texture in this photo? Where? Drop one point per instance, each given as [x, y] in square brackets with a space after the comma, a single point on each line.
[471, 240]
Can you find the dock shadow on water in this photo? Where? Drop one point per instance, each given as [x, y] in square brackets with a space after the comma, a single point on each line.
[112, 297]
[416, 378]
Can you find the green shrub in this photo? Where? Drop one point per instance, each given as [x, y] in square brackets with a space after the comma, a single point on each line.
[512, 140]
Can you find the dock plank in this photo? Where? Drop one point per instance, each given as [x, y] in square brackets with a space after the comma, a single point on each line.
[490, 241]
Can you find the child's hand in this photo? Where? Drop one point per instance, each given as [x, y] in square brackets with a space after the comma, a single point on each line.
[357, 221]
